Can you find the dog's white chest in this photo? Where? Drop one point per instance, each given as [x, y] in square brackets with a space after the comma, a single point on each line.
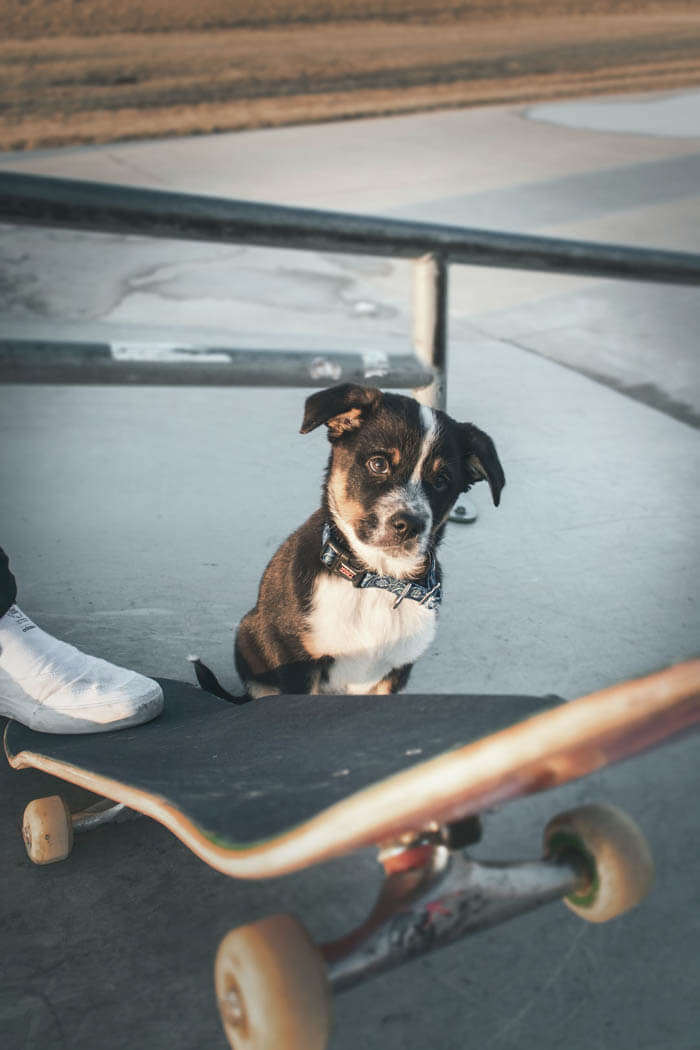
[364, 634]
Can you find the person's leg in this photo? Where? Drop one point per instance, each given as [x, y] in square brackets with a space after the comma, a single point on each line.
[8, 586]
[51, 686]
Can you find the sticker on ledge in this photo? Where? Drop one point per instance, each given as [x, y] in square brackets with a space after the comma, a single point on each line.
[157, 353]
[323, 368]
[376, 363]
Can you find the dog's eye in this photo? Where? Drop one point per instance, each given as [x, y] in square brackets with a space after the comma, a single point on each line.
[440, 482]
[378, 465]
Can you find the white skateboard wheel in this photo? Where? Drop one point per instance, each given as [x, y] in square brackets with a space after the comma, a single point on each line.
[47, 830]
[614, 854]
[271, 987]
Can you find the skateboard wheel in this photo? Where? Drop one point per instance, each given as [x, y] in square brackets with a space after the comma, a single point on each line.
[47, 830]
[271, 987]
[614, 854]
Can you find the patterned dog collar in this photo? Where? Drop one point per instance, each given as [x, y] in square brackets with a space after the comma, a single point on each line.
[335, 557]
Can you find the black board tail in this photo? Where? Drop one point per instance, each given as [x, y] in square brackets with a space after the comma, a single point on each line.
[208, 680]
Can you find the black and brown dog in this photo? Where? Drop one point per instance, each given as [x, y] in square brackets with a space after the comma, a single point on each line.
[349, 601]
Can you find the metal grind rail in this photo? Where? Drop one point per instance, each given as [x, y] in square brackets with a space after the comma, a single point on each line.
[31, 200]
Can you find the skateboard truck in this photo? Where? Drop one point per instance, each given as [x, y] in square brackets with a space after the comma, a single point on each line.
[595, 858]
[432, 896]
[48, 825]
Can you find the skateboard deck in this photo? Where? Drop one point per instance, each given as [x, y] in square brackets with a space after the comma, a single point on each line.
[285, 782]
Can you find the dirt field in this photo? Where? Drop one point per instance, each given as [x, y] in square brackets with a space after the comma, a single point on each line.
[78, 71]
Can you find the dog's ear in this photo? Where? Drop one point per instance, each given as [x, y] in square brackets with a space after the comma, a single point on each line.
[481, 462]
[341, 408]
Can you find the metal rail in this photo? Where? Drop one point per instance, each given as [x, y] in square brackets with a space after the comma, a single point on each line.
[65, 203]
[147, 364]
[40, 201]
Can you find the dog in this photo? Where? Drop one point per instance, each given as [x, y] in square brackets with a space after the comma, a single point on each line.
[349, 601]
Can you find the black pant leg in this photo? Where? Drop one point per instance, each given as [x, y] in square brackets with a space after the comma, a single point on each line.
[8, 586]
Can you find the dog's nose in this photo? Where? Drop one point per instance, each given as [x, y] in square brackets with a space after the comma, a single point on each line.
[406, 525]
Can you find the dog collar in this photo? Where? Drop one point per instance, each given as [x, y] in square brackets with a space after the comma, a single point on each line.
[335, 558]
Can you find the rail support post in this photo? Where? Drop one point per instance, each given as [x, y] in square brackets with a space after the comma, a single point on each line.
[430, 325]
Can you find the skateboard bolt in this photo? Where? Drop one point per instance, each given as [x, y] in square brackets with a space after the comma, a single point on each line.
[460, 512]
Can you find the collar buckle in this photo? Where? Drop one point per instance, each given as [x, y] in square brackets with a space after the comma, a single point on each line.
[330, 555]
[334, 560]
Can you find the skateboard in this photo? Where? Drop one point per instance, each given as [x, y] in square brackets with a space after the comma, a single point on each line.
[286, 782]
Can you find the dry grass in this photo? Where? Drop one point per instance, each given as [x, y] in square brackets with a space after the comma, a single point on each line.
[60, 89]
[37, 18]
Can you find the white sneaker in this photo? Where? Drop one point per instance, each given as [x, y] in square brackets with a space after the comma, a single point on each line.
[51, 686]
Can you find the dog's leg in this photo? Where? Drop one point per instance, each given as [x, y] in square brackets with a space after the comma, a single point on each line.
[292, 678]
[256, 690]
[394, 681]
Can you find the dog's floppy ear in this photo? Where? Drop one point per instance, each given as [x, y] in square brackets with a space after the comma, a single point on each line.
[481, 462]
[341, 408]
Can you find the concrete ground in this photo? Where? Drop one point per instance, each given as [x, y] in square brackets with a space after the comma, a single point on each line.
[138, 522]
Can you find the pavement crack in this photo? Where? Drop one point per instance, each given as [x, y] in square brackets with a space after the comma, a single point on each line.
[130, 166]
[534, 1000]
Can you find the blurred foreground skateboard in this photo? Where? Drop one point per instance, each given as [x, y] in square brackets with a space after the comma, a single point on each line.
[286, 782]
